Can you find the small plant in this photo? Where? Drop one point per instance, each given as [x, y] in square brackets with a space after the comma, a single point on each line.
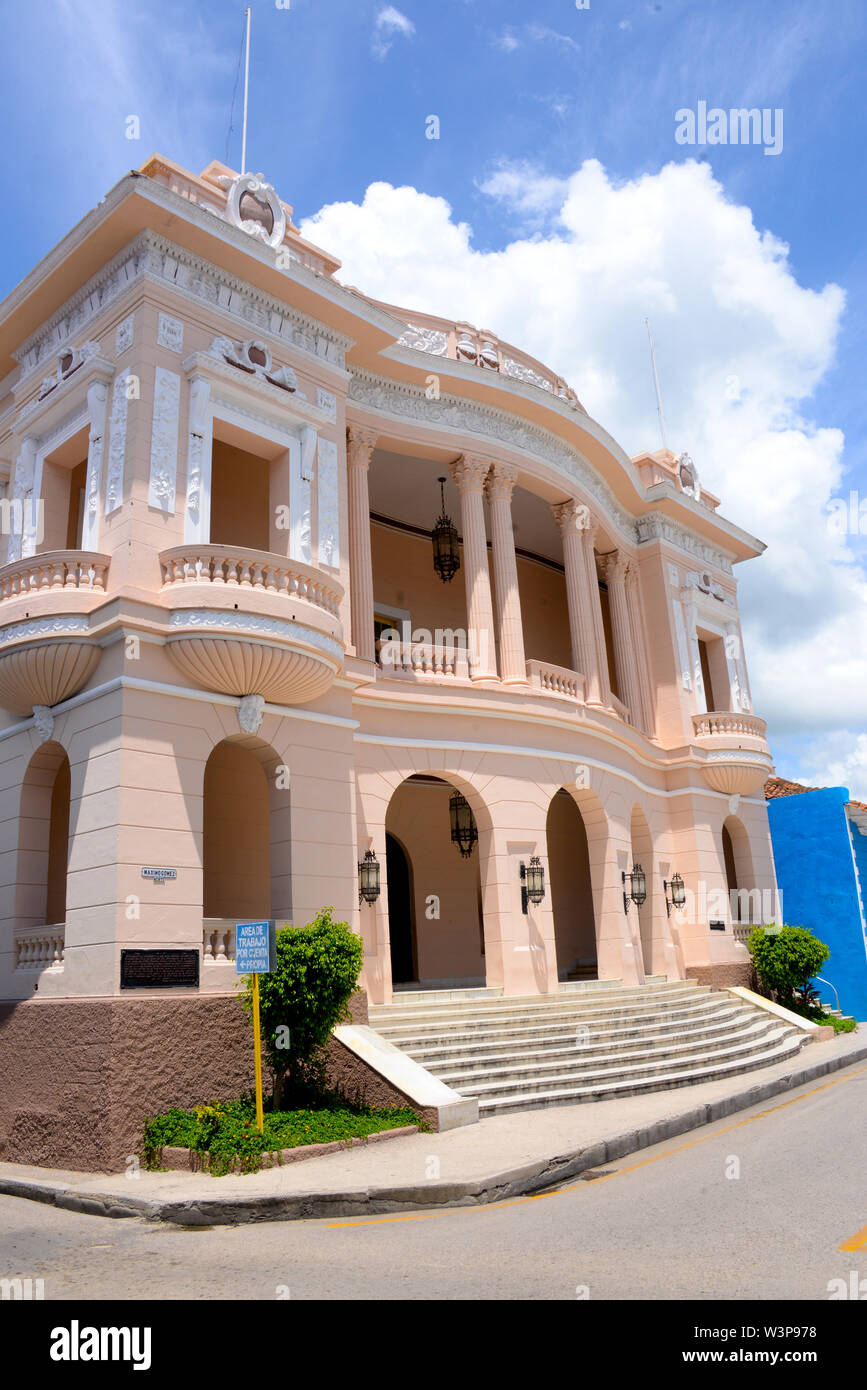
[303, 1000]
[785, 960]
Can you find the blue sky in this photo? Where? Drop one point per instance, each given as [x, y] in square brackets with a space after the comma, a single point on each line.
[525, 96]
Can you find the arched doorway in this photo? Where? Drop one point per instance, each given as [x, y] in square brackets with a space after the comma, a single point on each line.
[43, 855]
[571, 889]
[435, 907]
[236, 835]
[745, 900]
[401, 913]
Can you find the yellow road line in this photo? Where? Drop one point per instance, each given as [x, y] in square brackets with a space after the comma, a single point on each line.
[856, 1242]
[633, 1167]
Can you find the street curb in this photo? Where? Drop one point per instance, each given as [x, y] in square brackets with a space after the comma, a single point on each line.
[497, 1187]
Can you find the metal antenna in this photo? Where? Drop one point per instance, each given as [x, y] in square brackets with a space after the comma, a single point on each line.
[658, 393]
[246, 91]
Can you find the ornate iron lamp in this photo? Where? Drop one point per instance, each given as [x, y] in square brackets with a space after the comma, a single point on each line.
[368, 878]
[532, 882]
[444, 536]
[463, 824]
[678, 893]
[637, 887]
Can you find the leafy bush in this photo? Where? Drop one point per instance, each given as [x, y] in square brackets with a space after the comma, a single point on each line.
[785, 960]
[305, 997]
[226, 1130]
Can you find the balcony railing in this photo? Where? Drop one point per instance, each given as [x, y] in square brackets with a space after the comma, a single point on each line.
[555, 680]
[218, 940]
[52, 571]
[234, 567]
[725, 723]
[423, 661]
[621, 709]
[40, 948]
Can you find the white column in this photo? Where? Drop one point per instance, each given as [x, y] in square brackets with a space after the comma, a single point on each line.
[197, 516]
[624, 651]
[513, 666]
[360, 444]
[469, 474]
[573, 520]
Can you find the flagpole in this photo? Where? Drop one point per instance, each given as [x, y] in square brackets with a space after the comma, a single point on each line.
[656, 384]
[246, 91]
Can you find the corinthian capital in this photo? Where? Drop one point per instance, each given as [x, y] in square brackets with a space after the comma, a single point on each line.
[613, 566]
[469, 472]
[360, 444]
[572, 516]
[501, 481]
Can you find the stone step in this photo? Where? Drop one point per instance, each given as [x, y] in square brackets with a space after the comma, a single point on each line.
[569, 1093]
[473, 1002]
[723, 1023]
[408, 1032]
[532, 1073]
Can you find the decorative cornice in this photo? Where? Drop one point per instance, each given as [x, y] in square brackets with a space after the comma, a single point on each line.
[206, 620]
[656, 527]
[152, 257]
[70, 625]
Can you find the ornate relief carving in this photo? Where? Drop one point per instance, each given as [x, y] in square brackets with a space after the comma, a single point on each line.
[124, 334]
[655, 527]
[254, 622]
[170, 333]
[200, 409]
[256, 187]
[22, 494]
[97, 403]
[329, 505]
[571, 515]
[117, 443]
[501, 482]
[326, 400]
[425, 340]
[44, 627]
[255, 356]
[469, 472]
[250, 712]
[43, 722]
[164, 441]
[360, 444]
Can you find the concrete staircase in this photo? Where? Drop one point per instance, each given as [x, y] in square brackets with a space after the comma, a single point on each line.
[591, 1041]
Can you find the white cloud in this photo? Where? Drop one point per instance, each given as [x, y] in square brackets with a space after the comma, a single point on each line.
[838, 760]
[740, 346]
[389, 24]
[508, 41]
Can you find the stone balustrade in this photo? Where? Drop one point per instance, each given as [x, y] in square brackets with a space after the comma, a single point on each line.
[621, 709]
[555, 680]
[715, 724]
[237, 567]
[218, 941]
[40, 948]
[52, 571]
[423, 660]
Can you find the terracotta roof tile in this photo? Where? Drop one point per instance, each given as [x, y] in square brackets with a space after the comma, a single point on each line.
[778, 786]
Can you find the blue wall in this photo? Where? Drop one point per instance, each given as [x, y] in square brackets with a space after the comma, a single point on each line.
[816, 877]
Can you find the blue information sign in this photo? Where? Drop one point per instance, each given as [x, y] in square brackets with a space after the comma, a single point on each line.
[255, 947]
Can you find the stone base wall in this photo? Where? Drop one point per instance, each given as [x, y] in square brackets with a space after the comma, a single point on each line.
[78, 1077]
[724, 975]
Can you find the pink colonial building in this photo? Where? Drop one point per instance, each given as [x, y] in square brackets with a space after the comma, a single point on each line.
[234, 667]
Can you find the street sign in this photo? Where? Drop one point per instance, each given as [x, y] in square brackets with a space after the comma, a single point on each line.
[255, 947]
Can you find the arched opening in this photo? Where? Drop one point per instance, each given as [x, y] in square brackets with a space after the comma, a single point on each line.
[236, 835]
[745, 899]
[43, 854]
[571, 889]
[401, 914]
[435, 910]
[642, 853]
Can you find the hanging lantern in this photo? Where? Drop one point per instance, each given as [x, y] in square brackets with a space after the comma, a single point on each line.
[463, 824]
[637, 887]
[368, 877]
[678, 893]
[532, 882]
[446, 553]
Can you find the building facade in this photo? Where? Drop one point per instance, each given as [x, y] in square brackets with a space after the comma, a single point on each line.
[230, 671]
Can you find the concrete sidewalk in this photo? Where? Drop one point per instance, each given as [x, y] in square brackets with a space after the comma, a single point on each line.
[500, 1157]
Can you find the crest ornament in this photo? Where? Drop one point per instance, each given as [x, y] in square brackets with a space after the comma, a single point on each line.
[250, 713]
[269, 224]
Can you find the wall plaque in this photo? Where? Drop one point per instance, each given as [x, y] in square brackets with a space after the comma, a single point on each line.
[159, 969]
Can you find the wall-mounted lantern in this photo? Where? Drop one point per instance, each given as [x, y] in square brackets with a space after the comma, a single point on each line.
[444, 536]
[463, 824]
[368, 878]
[637, 891]
[532, 882]
[678, 893]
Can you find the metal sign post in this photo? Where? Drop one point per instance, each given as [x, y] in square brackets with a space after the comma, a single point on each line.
[256, 954]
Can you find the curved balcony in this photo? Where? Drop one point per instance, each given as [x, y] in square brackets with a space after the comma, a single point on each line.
[53, 570]
[246, 622]
[738, 759]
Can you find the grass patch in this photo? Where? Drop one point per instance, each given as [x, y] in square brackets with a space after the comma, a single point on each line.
[226, 1130]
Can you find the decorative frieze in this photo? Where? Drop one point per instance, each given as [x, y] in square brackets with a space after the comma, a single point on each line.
[164, 441]
[198, 502]
[97, 403]
[117, 442]
[124, 334]
[170, 333]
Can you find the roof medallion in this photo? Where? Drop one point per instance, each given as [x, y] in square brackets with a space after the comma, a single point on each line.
[687, 476]
[252, 205]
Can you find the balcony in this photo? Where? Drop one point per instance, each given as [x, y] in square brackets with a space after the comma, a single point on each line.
[422, 661]
[246, 622]
[738, 759]
[555, 680]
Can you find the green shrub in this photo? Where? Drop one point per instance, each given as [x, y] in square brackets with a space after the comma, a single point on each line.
[785, 960]
[303, 1000]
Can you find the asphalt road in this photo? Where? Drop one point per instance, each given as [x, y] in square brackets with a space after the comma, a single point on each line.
[754, 1207]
